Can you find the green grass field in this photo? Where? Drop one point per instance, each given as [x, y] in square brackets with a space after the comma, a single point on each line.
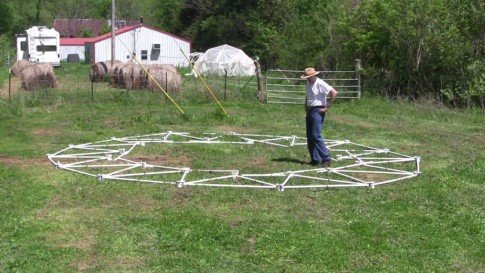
[58, 221]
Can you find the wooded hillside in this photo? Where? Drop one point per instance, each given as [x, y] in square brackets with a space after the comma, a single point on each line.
[409, 48]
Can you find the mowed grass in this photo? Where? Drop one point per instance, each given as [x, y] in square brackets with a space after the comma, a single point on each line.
[58, 221]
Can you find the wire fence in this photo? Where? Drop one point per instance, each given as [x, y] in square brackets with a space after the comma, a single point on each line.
[79, 88]
[282, 86]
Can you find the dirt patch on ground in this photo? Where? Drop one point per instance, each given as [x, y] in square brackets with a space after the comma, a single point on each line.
[23, 162]
[40, 132]
[480, 139]
[249, 247]
[256, 162]
[86, 264]
[163, 160]
[84, 240]
[180, 196]
[124, 264]
[111, 123]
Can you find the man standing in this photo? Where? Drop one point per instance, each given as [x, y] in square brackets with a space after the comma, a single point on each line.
[316, 106]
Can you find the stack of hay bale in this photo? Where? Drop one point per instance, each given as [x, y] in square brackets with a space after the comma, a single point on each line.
[102, 71]
[131, 75]
[35, 75]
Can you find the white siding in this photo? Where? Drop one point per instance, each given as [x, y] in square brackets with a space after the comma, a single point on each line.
[70, 49]
[143, 38]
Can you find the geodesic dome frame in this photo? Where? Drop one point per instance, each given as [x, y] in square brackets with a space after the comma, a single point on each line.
[356, 165]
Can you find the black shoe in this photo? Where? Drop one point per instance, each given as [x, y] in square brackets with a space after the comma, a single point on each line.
[315, 163]
[326, 164]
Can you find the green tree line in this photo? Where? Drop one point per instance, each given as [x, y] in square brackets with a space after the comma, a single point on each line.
[408, 48]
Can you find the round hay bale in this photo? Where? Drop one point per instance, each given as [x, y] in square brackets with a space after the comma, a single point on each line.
[125, 76]
[27, 77]
[20, 66]
[169, 80]
[98, 71]
[114, 77]
[174, 84]
[165, 66]
[38, 76]
[139, 77]
[112, 67]
[113, 71]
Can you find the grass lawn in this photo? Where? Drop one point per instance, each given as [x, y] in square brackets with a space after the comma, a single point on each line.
[58, 221]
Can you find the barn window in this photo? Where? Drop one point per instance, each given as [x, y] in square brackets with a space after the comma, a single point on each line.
[144, 54]
[44, 48]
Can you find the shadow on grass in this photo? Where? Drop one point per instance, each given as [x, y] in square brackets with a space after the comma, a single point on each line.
[291, 160]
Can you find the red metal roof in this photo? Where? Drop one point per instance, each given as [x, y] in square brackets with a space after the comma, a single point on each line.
[75, 41]
[82, 41]
[117, 32]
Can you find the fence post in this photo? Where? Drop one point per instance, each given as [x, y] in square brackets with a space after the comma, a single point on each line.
[166, 84]
[358, 68]
[259, 76]
[10, 85]
[225, 85]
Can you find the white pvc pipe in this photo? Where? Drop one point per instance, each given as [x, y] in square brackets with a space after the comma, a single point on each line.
[103, 151]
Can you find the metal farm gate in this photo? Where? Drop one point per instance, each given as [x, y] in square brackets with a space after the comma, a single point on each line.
[286, 86]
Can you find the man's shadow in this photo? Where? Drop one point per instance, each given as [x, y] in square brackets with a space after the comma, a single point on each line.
[290, 160]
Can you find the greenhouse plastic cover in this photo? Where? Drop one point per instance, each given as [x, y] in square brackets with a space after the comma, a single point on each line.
[225, 57]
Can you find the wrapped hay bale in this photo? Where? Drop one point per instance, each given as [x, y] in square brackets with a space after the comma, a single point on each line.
[166, 78]
[20, 66]
[98, 71]
[38, 76]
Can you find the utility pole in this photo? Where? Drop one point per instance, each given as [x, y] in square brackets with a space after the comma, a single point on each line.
[113, 25]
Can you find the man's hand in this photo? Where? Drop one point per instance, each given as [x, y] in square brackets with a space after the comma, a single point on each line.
[323, 110]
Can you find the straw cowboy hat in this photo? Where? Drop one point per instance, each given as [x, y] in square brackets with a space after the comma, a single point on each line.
[310, 71]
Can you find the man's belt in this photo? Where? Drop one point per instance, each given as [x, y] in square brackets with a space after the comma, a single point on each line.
[317, 107]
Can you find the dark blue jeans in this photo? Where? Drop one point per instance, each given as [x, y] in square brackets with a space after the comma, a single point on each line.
[314, 126]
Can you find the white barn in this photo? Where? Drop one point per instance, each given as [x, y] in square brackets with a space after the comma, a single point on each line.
[74, 46]
[148, 44]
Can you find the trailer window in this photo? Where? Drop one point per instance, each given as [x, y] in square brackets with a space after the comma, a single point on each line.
[44, 48]
[144, 54]
[23, 45]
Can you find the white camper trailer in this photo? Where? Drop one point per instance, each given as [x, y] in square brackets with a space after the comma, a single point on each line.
[39, 45]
